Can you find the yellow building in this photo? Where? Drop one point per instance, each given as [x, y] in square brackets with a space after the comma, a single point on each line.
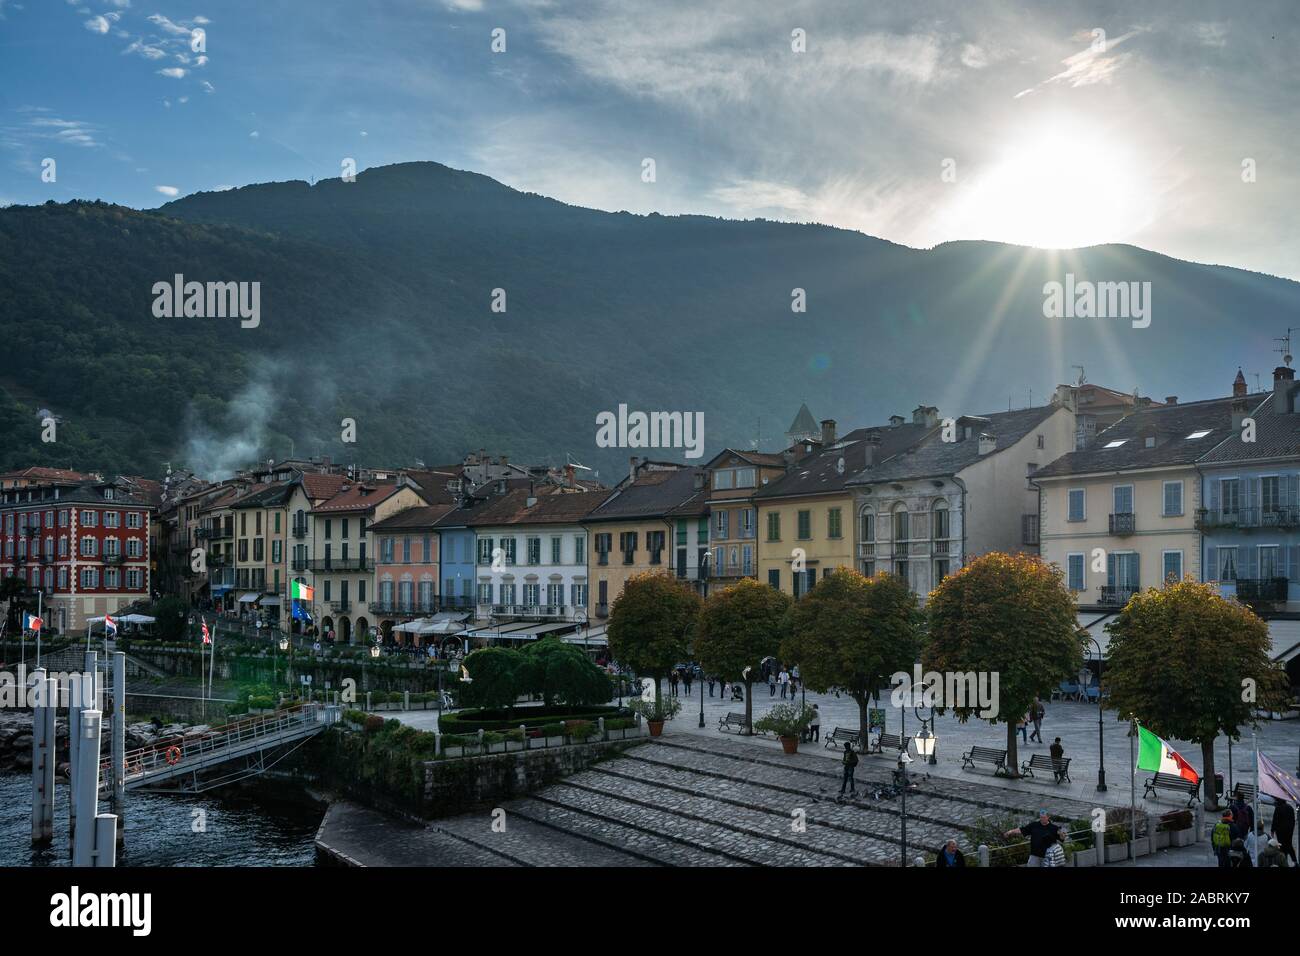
[654, 520]
[733, 479]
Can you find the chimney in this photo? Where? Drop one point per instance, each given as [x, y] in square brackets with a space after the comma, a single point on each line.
[926, 415]
[1067, 397]
[988, 443]
[634, 463]
[699, 480]
[1240, 410]
[870, 448]
[1283, 381]
[828, 432]
[1239, 385]
[896, 420]
[1171, 399]
[568, 476]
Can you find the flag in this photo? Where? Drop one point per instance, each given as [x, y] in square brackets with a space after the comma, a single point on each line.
[1276, 782]
[300, 592]
[1156, 755]
[207, 639]
[110, 625]
[31, 622]
[300, 613]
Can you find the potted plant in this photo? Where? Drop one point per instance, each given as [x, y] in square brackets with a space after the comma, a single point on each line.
[656, 711]
[787, 722]
[1178, 828]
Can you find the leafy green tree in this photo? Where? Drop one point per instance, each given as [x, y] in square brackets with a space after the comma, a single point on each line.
[171, 618]
[1008, 614]
[562, 673]
[1190, 665]
[494, 678]
[649, 621]
[850, 633]
[738, 627]
[11, 590]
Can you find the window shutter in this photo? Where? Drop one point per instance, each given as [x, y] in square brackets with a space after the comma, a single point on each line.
[1251, 563]
[1214, 494]
[1110, 570]
[1293, 562]
[1136, 579]
[1211, 563]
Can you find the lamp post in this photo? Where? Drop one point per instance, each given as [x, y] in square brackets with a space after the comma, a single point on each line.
[1101, 732]
[903, 761]
[926, 739]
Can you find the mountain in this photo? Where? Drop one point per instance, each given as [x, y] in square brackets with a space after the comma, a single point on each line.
[376, 306]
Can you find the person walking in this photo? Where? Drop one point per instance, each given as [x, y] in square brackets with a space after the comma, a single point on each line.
[771, 683]
[949, 855]
[1221, 838]
[784, 680]
[712, 680]
[1022, 726]
[1055, 855]
[850, 760]
[1284, 827]
[687, 677]
[815, 728]
[1273, 855]
[1036, 713]
[1041, 833]
[672, 682]
[1057, 752]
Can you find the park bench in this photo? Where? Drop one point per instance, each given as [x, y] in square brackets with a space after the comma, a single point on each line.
[843, 735]
[733, 721]
[1059, 768]
[1171, 781]
[985, 755]
[890, 743]
[1244, 790]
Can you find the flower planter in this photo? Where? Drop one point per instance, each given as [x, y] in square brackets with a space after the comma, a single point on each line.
[1141, 846]
[1162, 839]
[1086, 857]
[790, 744]
[656, 727]
[1185, 837]
[1116, 852]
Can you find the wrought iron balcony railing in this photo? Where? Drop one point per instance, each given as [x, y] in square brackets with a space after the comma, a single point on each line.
[1122, 524]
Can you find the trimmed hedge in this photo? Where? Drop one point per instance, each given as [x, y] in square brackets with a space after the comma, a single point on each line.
[471, 721]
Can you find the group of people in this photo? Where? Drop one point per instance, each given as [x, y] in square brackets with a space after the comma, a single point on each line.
[778, 676]
[1239, 841]
[1034, 716]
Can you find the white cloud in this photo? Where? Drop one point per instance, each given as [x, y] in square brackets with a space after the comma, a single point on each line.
[1211, 34]
[98, 24]
[207, 87]
[463, 6]
[174, 72]
[168, 190]
[254, 135]
[146, 50]
[167, 26]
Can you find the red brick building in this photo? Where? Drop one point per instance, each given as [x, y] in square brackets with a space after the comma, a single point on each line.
[84, 546]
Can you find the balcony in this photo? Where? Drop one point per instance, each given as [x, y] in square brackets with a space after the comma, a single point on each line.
[1029, 529]
[1115, 596]
[942, 546]
[547, 611]
[404, 608]
[298, 564]
[462, 603]
[340, 607]
[113, 558]
[602, 610]
[31, 531]
[1266, 590]
[211, 533]
[298, 530]
[1269, 516]
[1122, 524]
[46, 559]
[342, 564]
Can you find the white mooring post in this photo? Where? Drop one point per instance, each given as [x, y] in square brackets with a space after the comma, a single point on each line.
[83, 695]
[118, 731]
[96, 840]
[43, 756]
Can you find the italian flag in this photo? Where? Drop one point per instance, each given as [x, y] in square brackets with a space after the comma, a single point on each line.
[1156, 755]
[300, 592]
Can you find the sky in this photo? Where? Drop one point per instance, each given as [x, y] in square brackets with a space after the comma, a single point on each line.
[1169, 126]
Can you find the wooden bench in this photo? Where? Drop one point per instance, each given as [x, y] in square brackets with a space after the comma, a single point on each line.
[1244, 790]
[1171, 781]
[985, 755]
[889, 744]
[843, 734]
[1059, 768]
[733, 721]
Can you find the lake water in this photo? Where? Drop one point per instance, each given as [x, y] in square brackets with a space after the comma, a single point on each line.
[237, 829]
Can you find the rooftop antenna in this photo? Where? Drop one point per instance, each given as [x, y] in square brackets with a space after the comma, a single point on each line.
[568, 460]
[1285, 348]
[1082, 379]
[1258, 387]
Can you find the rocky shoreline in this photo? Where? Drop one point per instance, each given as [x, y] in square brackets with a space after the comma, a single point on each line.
[16, 738]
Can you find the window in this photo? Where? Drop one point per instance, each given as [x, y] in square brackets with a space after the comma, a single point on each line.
[557, 552]
[747, 559]
[900, 525]
[1270, 494]
[89, 547]
[603, 542]
[805, 525]
[427, 543]
[1123, 498]
[134, 579]
[555, 594]
[654, 543]
[277, 551]
[259, 549]
[1115, 444]
[1122, 570]
[484, 593]
[745, 478]
[1173, 498]
[868, 527]
[720, 523]
[723, 480]
[579, 592]
[580, 549]
[406, 549]
[941, 522]
[834, 524]
[774, 579]
[747, 522]
[1042, 441]
[1173, 566]
[1074, 571]
[508, 546]
[89, 579]
[485, 550]
[111, 578]
[112, 519]
[773, 526]
[507, 594]
[1230, 493]
[133, 519]
[90, 519]
[1269, 566]
[901, 569]
[1199, 433]
[602, 591]
[627, 544]
[1077, 505]
[534, 552]
[134, 548]
[940, 570]
[329, 528]
[386, 550]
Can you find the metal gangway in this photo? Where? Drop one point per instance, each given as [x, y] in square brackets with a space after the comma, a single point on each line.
[254, 743]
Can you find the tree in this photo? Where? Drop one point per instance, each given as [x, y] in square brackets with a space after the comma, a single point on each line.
[737, 628]
[11, 591]
[171, 618]
[494, 681]
[850, 633]
[1189, 665]
[649, 621]
[561, 673]
[1009, 615]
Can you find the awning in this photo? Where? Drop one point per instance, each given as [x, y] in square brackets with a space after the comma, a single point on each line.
[1094, 622]
[270, 600]
[1284, 638]
[136, 619]
[248, 597]
[220, 588]
[591, 637]
[521, 631]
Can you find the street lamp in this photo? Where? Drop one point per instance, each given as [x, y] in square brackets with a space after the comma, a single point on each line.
[903, 761]
[1101, 733]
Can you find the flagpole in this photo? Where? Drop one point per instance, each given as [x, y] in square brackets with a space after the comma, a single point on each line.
[1132, 785]
[1254, 813]
[212, 657]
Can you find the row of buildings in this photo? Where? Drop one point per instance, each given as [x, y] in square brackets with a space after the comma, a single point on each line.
[1122, 492]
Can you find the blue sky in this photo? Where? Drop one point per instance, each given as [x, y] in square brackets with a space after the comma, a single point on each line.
[1051, 134]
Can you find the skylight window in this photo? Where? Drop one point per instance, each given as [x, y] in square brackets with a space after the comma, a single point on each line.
[1200, 433]
[1116, 443]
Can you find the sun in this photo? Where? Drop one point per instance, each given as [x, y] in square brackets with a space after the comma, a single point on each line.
[1062, 185]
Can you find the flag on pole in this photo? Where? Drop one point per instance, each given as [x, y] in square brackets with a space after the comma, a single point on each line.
[300, 612]
[300, 592]
[1276, 782]
[1156, 755]
[207, 638]
[110, 625]
[31, 622]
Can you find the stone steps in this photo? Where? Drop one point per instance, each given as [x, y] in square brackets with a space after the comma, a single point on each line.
[645, 844]
[756, 837]
[525, 842]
